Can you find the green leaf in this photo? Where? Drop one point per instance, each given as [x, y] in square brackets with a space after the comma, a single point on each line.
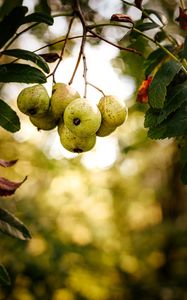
[28, 55]
[21, 73]
[39, 17]
[176, 97]
[156, 13]
[8, 5]
[158, 87]
[10, 23]
[4, 276]
[8, 117]
[147, 26]
[154, 59]
[175, 125]
[184, 52]
[151, 118]
[10, 225]
[43, 6]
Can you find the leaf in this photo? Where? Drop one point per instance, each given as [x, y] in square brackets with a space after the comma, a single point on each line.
[121, 18]
[176, 97]
[175, 125]
[12, 226]
[39, 17]
[158, 87]
[8, 117]
[159, 15]
[8, 187]
[21, 73]
[10, 23]
[4, 276]
[43, 6]
[151, 118]
[147, 26]
[50, 57]
[7, 163]
[154, 59]
[28, 55]
[8, 5]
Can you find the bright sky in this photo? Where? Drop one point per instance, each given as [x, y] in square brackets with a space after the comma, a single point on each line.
[100, 73]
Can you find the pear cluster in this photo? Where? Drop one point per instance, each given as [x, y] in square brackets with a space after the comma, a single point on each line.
[78, 120]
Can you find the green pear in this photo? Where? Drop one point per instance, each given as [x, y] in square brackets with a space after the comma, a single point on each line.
[33, 100]
[45, 122]
[82, 117]
[73, 143]
[62, 95]
[104, 129]
[113, 111]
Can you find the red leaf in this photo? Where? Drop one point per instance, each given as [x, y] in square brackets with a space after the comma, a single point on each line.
[142, 95]
[121, 18]
[8, 187]
[182, 18]
[7, 163]
[50, 57]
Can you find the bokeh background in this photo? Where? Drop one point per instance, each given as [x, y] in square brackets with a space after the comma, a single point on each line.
[110, 224]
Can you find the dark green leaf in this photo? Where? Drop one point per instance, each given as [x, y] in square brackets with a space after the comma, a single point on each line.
[4, 276]
[43, 6]
[8, 5]
[21, 73]
[184, 52]
[28, 55]
[184, 152]
[10, 23]
[39, 17]
[153, 60]
[176, 97]
[151, 118]
[175, 125]
[10, 225]
[8, 117]
[156, 13]
[147, 26]
[158, 87]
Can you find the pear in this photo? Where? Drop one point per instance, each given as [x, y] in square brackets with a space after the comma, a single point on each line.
[113, 111]
[33, 100]
[45, 122]
[104, 129]
[73, 143]
[82, 117]
[62, 95]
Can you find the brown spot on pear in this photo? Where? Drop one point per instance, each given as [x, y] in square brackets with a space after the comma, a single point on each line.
[62, 95]
[73, 143]
[113, 111]
[82, 117]
[33, 100]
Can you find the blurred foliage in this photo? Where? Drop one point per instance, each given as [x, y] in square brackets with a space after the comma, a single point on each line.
[98, 234]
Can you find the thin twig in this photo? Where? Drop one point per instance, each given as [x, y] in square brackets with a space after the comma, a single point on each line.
[95, 87]
[63, 48]
[112, 44]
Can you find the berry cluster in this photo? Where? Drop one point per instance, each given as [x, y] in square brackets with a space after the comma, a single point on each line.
[78, 120]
